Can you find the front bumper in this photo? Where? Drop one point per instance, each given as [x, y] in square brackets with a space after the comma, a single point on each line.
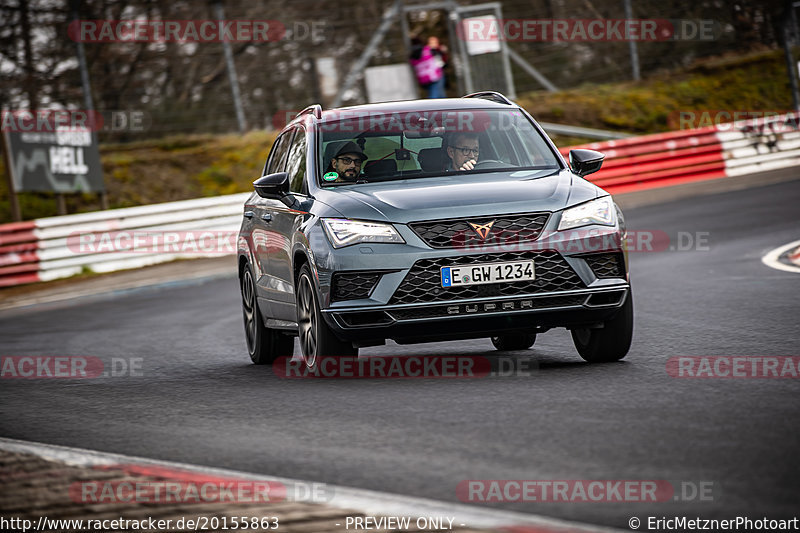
[477, 318]
[575, 286]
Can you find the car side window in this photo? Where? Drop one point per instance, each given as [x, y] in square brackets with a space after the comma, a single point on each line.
[296, 163]
[277, 157]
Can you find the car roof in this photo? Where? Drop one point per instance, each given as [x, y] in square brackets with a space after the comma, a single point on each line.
[406, 106]
[431, 104]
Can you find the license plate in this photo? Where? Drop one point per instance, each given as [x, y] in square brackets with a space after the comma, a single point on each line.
[460, 275]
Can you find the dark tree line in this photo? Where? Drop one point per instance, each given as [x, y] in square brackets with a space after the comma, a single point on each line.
[183, 87]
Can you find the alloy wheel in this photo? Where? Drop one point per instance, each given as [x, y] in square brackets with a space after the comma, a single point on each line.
[249, 308]
[307, 322]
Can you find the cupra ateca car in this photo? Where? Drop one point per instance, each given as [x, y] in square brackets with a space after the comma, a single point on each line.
[429, 220]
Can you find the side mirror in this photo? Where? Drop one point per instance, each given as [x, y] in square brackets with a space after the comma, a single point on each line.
[584, 162]
[274, 186]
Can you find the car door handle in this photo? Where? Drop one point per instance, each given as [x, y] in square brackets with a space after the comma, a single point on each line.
[266, 217]
[248, 214]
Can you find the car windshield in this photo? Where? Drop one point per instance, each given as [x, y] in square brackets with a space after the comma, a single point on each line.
[365, 147]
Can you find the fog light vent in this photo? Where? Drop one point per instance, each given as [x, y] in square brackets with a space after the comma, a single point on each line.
[365, 318]
[601, 299]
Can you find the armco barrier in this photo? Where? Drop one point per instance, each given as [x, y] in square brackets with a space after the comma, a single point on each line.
[658, 160]
[47, 248]
[39, 250]
[665, 159]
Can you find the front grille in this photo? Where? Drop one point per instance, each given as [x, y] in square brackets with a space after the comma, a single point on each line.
[434, 311]
[607, 265]
[458, 233]
[353, 285]
[423, 283]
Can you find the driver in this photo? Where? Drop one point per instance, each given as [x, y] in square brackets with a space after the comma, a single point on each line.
[346, 164]
[463, 151]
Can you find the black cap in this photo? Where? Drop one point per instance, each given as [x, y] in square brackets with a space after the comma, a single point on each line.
[351, 148]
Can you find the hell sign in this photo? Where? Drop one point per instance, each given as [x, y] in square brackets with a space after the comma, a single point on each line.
[61, 161]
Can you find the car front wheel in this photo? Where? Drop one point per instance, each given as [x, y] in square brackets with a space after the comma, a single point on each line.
[612, 341]
[316, 338]
[264, 344]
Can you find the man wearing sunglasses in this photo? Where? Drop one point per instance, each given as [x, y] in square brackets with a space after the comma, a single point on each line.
[463, 151]
[347, 163]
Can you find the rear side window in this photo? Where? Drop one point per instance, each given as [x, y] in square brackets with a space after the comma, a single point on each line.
[276, 161]
[296, 163]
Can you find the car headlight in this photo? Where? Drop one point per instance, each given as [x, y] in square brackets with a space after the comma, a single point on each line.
[343, 232]
[600, 211]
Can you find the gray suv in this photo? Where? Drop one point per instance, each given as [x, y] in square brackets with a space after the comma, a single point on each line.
[429, 220]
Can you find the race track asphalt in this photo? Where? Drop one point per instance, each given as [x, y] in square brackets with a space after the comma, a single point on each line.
[199, 400]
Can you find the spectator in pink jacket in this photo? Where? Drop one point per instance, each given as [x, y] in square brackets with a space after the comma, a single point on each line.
[428, 62]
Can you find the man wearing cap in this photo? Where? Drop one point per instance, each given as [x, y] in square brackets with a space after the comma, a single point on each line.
[346, 164]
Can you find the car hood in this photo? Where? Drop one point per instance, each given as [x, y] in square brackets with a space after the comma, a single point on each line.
[460, 195]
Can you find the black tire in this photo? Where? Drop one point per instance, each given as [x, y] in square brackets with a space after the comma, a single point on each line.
[263, 344]
[316, 338]
[609, 343]
[514, 341]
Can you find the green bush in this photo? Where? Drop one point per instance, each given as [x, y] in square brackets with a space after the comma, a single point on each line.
[757, 82]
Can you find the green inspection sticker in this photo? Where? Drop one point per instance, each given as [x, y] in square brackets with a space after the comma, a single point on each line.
[330, 176]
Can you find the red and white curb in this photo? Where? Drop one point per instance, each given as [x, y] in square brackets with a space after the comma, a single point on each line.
[786, 257]
[369, 502]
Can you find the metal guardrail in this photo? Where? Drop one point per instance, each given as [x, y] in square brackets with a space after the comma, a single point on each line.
[658, 160]
[577, 131]
[730, 149]
[118, 239]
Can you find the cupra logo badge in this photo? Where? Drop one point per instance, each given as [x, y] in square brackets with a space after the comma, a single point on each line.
[482, 229]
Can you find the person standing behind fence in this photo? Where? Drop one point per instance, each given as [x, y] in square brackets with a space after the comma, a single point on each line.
[428, 66]
[440, 50]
